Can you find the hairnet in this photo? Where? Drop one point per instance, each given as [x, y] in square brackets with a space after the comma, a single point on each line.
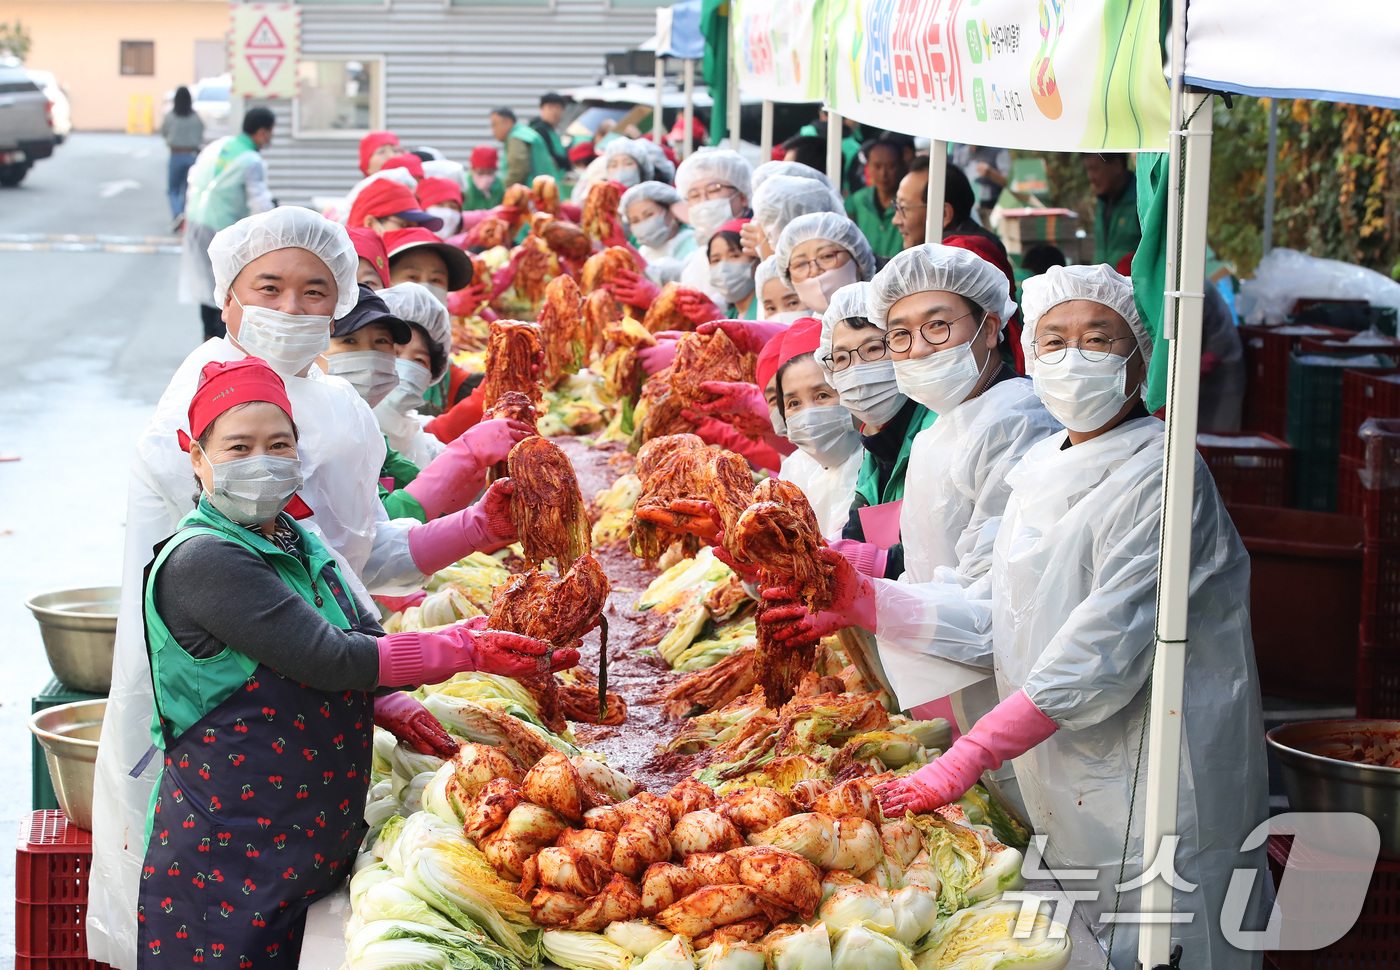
[852, 300]
[286, 227]
[415, 303]
[934, 267]
[445, 168]
[659, 192]
[633, 150]
[782, 198]
[768, 270]
[720, 164]
[663, 169]
[831, 226]
[797, 169]
[1098, 284]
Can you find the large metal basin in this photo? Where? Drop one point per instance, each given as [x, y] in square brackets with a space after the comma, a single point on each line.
[79, 627]
[1317, 782]
[68, 734]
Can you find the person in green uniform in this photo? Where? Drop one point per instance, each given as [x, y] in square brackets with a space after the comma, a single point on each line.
[527, 155]
[485, 189]
[873, 207]
[546, 124]
[1117, 231]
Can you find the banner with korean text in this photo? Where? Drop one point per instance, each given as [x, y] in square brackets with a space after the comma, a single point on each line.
[1052, 75]
[780, 48]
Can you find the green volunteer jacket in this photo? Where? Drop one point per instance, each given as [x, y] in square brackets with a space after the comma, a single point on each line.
[1117, 231]
[541, 162]
[398, 503]
[473, 200]
[877, 224]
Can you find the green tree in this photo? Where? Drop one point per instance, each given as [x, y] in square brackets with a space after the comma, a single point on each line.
[15, 39]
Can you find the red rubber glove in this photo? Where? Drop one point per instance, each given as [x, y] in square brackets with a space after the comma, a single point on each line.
[571, 212]
[409, 659]
[466, 301]
[713, 432]
[484, 527]
[697, 517]
[697, 307]
[462, 416]
[750, 336]
[508, 214]
[740, 403]
[397, 604]
[615, 235]
[867, 557]
[633, 289]
[658, 357]
[852, 604]
[409, 721]
[746, 572]
[1007, 731]
[456, 476]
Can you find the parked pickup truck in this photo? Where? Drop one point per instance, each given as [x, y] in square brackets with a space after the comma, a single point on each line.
[26, 125]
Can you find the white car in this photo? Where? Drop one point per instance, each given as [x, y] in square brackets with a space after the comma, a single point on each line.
[60, 113]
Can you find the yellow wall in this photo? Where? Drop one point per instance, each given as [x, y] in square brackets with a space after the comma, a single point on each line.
[80, 42]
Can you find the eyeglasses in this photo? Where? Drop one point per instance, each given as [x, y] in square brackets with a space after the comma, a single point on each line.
[934, 332]
[1093, 345]
[904, 210]
[709, 191]
[870, 351]
[812, 267]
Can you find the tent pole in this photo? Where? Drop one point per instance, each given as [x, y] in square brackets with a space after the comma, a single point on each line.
[834, 129]
[937, 182]
[765, 140]
[689, 145]
[732, 104]
[658, 111]
[1270, 175]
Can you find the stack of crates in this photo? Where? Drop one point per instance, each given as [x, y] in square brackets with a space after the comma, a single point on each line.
[1378, 660]
[1266, 354]
[1249, 469]
[52, 862]
[1365, 394]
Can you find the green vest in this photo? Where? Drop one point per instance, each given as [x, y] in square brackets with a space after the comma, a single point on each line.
[877, 226]
[216, 198]
[1117, 231]
[186, 687]
[868, 491]
[398, 503]
[474, 200]
[541, 162]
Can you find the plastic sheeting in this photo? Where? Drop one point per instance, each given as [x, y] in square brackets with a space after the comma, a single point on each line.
[1074, 587]
[782, 198]
[948, 269]
[1286, 274]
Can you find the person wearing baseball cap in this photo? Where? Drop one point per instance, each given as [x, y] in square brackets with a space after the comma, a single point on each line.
[486, 189]
[384, 205]
[373, 269]
[442, 197]
[376, 148]
[419, 256]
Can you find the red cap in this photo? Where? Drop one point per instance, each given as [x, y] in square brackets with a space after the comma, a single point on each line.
[484, 156]
[372, 141]
[734, 225]
[368, 245]
[459, 264]
[988, 250]
[226, 384]
[803, 337]
[385, 197]
[407, 160]
[434, 191]
[582, 152]
[678, 129]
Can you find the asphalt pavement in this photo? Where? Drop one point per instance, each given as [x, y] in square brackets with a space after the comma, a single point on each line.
[92, 330]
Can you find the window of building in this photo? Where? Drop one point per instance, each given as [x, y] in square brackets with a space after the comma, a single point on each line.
[138, 57]
[546, 4]
[340, 97]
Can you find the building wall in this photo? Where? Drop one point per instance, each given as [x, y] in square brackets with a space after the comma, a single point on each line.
[445, 69]
[80, 42]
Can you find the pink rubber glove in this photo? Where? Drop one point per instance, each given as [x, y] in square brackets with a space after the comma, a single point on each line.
[485, 527]
[409, 721]
[466, 301]
[1007, 731]
[867, 557]
[750, 336]
[409, 659]
[397, 604]
[697, 308]
[633, 289]
[657, 358]
[456, 476]
[852, 604]
[740, 403]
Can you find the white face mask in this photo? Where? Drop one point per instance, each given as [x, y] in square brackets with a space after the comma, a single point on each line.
[942, 380]
[776, 416]
[734, 281]
[251, 491]
[824, 433]
[789, 316]
[289, 342]
[653, 231]
[870, 391]
[451, 220]
[816, 292]
[707, 217]
[626, 176]
[438, 292]
[1083, 395]
[414, 379]
[483, 183]
[370, 372]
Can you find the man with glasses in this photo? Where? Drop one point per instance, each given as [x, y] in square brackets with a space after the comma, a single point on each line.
[715, 185]
[911, 206]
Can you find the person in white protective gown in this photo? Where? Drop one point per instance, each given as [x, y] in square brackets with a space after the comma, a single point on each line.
[1073, 588]
[295, 272]
[397, 414]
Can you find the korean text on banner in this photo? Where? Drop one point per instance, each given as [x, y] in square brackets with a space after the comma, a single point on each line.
[264, 42]
[781, 48]
[1030, 74]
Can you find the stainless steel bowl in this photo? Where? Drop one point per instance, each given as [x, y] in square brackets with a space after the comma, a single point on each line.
[79, 627]
[68, 734]
[1316, 782]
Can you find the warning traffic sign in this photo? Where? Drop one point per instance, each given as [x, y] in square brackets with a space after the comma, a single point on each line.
[265, 43]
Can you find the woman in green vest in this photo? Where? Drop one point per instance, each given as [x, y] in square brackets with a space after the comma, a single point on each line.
[266, 673]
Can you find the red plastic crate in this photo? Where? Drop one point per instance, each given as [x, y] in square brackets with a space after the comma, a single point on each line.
[1245, 475]
[1378, 683]
[1380, 594]
[1266, 353]
[1350, 494]
[1366, 394]
[52, 861]
[1372, 942]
